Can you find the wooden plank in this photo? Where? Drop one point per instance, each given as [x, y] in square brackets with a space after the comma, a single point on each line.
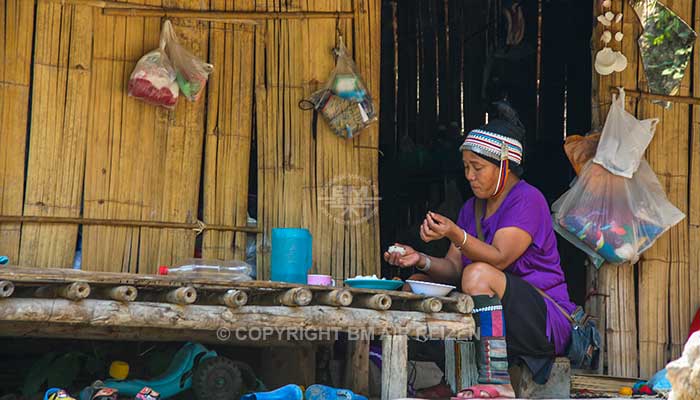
[17, 30]
[357, 366]
[394, 366]
[106, 314]
[291, 365]
[59, 126]
[595, 305]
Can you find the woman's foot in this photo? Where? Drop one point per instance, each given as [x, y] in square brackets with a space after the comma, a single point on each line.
[486, 392]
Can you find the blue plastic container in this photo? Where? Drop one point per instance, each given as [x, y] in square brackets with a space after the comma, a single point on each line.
[291, 254]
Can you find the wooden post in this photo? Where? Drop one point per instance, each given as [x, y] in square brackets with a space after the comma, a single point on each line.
[394, 366]
[430, 305]
[336, 298]
[121, 293]
[6, 289]
[357, 366]
[181, 296]
[379, 302]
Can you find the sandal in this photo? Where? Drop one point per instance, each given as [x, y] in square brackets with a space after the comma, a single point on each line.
[479, 392]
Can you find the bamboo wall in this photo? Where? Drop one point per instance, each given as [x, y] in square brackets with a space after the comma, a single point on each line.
[648, 326]
[88, 150]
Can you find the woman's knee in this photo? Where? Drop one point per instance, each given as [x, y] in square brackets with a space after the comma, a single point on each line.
[479, 278]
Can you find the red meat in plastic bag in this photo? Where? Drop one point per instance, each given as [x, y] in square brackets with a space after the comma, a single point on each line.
[153, 80]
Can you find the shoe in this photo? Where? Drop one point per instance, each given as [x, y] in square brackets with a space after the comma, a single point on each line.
[321, 392]
[289, 392]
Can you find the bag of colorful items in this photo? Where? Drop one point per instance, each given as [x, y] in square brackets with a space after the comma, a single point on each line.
[617, 208]
[161, 74]
[344, 102]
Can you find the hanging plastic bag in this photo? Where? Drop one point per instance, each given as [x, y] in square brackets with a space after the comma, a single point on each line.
[344, 102]
[616, 217]
[153, 78]
[192, 72]
[624, 139]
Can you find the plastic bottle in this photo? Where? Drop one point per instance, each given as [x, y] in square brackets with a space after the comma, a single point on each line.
[209, 269]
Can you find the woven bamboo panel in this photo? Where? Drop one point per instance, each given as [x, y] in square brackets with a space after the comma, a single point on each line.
[229, 133]
[143, 162]
[59, 121]
[296, 168]
[664, 271]
[16, 27]
[617, 283]
[694, 206]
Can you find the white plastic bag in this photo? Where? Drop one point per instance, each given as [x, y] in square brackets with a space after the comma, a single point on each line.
[624, 139]
[616, 217]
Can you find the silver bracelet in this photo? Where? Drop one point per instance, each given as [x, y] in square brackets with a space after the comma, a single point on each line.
[464, 241]
[427, 263]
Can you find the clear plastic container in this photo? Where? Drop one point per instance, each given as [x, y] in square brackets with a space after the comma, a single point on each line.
[232, 270]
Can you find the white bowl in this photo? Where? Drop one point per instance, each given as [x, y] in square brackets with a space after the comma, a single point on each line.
[430, 288]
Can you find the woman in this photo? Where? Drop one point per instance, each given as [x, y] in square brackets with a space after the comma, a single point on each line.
[518, 253]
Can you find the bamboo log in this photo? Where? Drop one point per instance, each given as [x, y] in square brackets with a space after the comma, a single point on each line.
[182, 296]
[198, 226]
[295, 297]
[231, 298]
[72, 291]
[430, 305]
[336, 298]
[120, 293]
[464, 303]
[224, 16]
[6, 289]
[379, 302]
[108, 314]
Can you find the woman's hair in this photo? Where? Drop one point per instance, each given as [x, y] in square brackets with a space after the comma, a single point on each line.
[504, 120]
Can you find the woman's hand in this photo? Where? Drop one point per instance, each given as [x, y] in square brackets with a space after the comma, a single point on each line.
[409, 259]
[436, 227]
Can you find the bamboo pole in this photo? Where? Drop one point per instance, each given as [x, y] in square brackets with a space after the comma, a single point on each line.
[73, 291]
[101, 4]
[694, 188]
[120, 293]
[430, 305]
[651, 96]
[197, 227]
[225, 16]
[233, 298]
[6, 289]
[379, 302]
[336, 298]
[181, 296]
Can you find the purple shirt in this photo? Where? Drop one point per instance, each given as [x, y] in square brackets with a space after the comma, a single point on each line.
[526, 208]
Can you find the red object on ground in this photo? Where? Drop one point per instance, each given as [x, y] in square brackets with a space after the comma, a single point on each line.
[695, 325]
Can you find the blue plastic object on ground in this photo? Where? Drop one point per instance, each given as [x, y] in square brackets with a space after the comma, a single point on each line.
[289, 392]
[291, 254]
[4, 260]
[322, 392]
[659, 382]
[177, 378]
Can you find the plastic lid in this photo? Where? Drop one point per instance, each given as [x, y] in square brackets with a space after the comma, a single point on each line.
[163, 270]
